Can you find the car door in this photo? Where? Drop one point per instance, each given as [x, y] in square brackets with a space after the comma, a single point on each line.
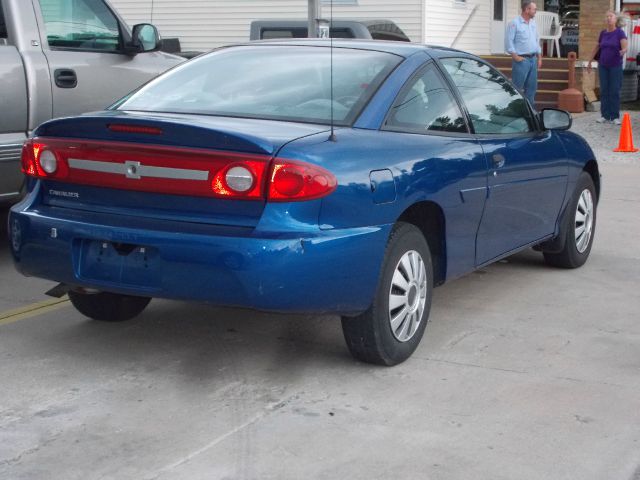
[83, 41]
[448, 166]
[528, 168]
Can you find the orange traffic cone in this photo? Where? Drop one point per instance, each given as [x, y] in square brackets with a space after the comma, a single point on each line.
[626, 137]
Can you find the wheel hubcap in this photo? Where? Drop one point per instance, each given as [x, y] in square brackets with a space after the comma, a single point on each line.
[407, 296]
[584, 220]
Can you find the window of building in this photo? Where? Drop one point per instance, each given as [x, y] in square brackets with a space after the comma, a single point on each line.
[498, 10]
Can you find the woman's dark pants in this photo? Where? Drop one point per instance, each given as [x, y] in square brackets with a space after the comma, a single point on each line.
[610, 86]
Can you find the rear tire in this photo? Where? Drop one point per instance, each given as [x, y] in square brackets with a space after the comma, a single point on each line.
[391, 329]
[580, 227]
[108, 307]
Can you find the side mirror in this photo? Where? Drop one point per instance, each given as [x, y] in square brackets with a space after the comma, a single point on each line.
[554, 119]
[144, 38]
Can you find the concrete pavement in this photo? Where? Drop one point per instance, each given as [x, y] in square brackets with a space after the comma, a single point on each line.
[525, 372]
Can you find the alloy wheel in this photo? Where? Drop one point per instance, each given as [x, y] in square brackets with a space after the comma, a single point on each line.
[407, 296]
[584, 221]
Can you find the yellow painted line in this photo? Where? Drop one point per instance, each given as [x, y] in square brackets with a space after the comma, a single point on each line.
[33, 310]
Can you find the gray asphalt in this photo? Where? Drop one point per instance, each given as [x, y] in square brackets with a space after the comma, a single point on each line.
[603, 138]
[525, 372]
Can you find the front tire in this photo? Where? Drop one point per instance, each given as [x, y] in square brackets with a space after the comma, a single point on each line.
[580, 227]
[391, 329]
[108, 307]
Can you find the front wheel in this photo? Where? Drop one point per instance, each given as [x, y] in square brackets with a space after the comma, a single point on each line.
[391, 329]
[580, 227]
[108, 307]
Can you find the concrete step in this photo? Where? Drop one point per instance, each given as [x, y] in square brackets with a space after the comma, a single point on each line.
[543, 73]
[547, 96]
[556, 85]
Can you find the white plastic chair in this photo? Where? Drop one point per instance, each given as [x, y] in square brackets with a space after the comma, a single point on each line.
[549, 30]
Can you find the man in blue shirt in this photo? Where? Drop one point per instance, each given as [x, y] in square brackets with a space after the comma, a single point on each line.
[523, 44]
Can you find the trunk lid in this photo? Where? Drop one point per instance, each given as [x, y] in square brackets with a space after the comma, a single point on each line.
[161, 166]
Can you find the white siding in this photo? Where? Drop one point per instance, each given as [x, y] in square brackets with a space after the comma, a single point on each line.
[513, 8]
[205, 24]
[445, 19]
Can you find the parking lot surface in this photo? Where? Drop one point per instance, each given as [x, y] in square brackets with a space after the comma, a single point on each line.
[525, 372]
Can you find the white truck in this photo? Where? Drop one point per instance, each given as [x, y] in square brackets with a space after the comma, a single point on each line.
[65, 57]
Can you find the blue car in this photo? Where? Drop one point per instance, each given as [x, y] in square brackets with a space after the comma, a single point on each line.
[299, 177]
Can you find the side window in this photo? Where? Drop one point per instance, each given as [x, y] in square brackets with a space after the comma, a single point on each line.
[494, 105]
[80, 24]
[3, 25]
[425, 104]
[269, 33]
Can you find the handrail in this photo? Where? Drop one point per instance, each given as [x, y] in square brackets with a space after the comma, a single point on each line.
[572, 69]
[464, 25]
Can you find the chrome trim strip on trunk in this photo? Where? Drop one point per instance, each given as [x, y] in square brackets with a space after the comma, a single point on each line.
[134, 170]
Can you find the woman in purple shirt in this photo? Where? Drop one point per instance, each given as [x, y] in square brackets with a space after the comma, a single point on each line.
[611, 49]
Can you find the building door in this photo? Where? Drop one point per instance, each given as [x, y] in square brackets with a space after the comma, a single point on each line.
[497, 26]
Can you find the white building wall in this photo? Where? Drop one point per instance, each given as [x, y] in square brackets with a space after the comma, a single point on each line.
[469, 21]
[445, 19]
[513, 8]
[205, 24]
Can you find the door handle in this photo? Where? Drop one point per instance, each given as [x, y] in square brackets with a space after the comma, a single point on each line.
[65, 78]
[498, 160]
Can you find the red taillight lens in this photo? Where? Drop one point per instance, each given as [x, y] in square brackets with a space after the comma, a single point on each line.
[175, 170]
[29, 159]
[147, 167]
[296, 181]
[40, 160]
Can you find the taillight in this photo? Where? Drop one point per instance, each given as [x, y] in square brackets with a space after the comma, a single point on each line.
[296, 181]
[40, 160]
[175, 170]
[240, 180]
[48, 162]
[28, 159]
[120, 128]
[148, 168]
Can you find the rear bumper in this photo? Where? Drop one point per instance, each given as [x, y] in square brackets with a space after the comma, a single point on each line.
[332, 271]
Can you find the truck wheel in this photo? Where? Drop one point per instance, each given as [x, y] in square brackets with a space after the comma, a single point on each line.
[108, 307]
[581, 218]
[391, 329]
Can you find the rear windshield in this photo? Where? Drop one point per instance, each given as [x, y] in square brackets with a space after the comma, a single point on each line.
[291, 83]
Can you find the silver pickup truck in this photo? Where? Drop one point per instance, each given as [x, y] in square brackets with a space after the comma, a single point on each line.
[64, 57]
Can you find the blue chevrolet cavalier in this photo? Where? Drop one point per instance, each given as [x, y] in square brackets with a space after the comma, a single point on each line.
[296, 177]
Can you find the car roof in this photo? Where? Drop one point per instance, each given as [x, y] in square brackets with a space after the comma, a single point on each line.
[404, 49]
